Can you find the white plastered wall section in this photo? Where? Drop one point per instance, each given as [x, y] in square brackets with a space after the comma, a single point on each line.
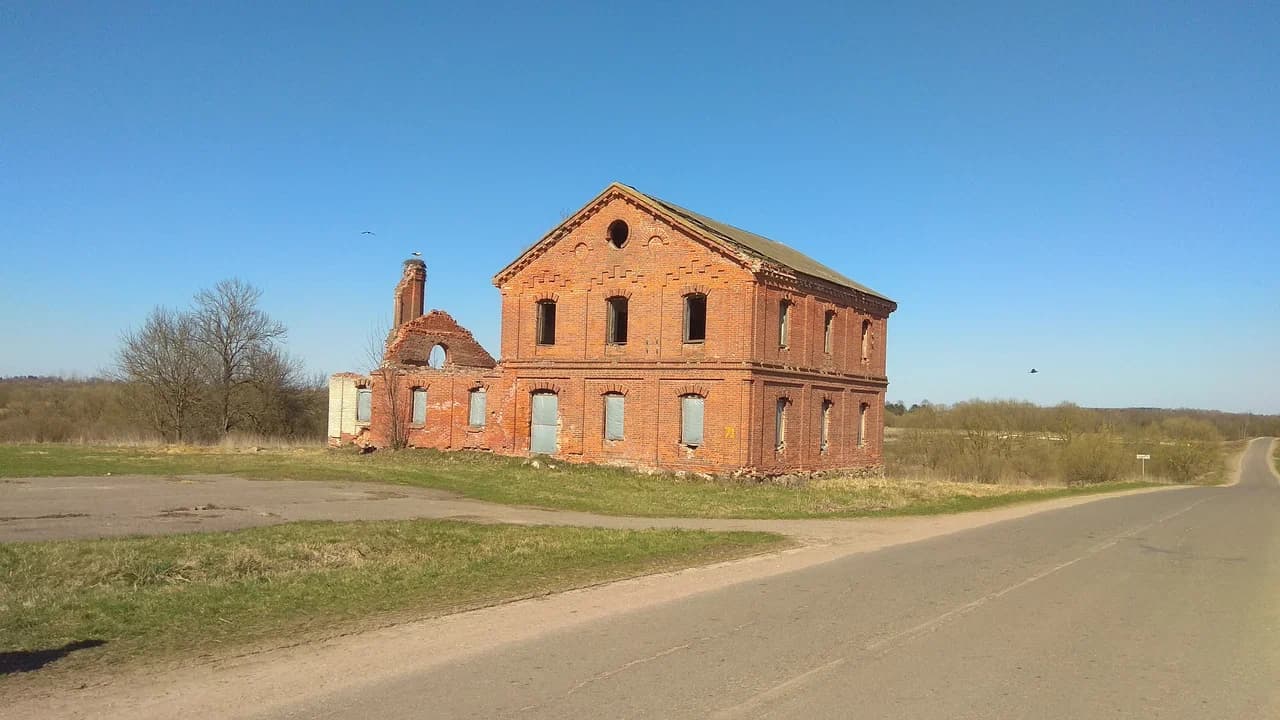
[342, 406]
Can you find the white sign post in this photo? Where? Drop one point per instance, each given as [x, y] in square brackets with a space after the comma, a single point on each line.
[1144, 459]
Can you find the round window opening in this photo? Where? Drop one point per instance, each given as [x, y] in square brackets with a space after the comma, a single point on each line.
[618, 232]
[436, 358]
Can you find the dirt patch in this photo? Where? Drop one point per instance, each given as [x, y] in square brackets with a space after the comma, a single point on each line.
[56, 516]
[195, 511]
[384, 495]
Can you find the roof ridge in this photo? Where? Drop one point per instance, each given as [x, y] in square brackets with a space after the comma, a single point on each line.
[757, 244]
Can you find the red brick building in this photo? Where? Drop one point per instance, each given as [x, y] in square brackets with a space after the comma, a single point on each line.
[640, 333]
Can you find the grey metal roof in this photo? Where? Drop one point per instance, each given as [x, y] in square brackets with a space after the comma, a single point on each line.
[761, 246]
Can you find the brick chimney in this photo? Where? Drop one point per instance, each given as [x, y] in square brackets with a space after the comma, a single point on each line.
[411, 291]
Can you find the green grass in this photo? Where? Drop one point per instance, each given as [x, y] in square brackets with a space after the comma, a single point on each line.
[556, 485]
[212, 593]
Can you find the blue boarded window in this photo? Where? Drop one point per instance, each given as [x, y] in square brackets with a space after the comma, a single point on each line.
[419, 397]
[475, 418]
[364, 404]
[691, 413]
[613, 416]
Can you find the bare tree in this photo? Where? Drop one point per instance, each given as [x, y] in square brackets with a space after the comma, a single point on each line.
[162, 362]
[386, 376]
[274, 400]
[232, 330]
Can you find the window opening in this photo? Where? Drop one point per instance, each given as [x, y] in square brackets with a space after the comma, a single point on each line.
[546, 322]
[616, 330]
[695, 318]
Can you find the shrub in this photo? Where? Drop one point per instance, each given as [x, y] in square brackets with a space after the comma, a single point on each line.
[1093, 458]
[1188, 462]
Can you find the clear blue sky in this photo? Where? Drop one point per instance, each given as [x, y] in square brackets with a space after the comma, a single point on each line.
[1087, 188]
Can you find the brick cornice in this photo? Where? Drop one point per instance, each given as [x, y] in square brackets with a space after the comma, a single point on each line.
[678, 367]
[790, 281]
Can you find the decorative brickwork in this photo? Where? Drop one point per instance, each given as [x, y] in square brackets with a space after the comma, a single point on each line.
[627, 244]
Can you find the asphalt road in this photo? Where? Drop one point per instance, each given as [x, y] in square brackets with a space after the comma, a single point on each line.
[1159, 605]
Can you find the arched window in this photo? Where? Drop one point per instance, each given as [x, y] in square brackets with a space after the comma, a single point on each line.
[695, 318]
[546, 326]
[691, 413]
[866, 340]
[828, 329]
[780, 424]
[616, 322]
[438, 356]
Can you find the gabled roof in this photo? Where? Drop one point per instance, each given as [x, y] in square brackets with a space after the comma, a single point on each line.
[726, 235]
[760, 245]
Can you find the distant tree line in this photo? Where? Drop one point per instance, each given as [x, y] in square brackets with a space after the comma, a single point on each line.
[200, 374]
[1068, 419]
[1013, 441]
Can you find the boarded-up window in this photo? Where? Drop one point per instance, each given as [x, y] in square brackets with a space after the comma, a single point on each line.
[613, 416]
[780, 424]
[784, 323]
[419, 397]
[825, 440]
[695, 318]
[364, 404]
[828, 329]
[546, 322]
[862, 424]
[616, 327]
[475, 418]
[691, 407]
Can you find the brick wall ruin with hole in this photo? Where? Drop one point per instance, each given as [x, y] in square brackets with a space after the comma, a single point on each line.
[742, 368]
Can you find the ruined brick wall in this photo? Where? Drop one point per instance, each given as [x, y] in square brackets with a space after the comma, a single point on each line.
[410, 292]
[411, 343]
[446, 424]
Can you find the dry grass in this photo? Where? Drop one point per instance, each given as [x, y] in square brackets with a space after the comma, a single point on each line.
[512, 481]
[188, 594]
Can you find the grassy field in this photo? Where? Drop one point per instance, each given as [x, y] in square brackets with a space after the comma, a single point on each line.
[555, 485]
[214, 593]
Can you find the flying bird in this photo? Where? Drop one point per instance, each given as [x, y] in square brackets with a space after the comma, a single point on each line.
[368, 232]
[1034, 371]
[417, 254]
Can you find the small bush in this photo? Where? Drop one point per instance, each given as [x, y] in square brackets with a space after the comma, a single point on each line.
[1188, 462]
[1093, 458]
